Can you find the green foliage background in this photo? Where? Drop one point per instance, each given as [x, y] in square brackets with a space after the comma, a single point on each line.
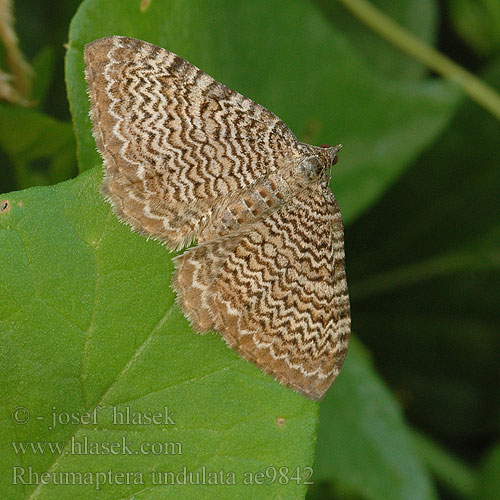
[87, 318]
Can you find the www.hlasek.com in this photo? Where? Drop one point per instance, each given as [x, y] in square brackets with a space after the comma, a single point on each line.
[86, 446]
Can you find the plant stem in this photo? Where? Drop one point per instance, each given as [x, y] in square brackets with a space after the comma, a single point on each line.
[21, 72]
[404, 40]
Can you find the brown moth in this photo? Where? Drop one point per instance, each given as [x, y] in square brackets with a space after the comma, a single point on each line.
[188, 159]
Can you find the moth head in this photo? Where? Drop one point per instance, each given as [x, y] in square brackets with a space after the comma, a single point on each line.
[329, 154]
[318, 161]
[328, 157]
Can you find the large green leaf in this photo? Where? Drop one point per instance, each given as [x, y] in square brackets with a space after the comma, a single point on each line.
[363, 444]
[88, 320]
[289, 57]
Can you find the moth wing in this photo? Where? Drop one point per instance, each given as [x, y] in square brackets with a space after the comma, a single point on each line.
[177, 145]
[278, 294]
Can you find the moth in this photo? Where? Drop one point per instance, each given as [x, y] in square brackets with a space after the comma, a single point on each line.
[186, 160]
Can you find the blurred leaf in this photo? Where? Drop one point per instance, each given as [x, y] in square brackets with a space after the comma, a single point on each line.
[43, 69]
[478, 23]
[489, 474]
[451, 471]
[41, 149]
[287, 56]
[424, 279]
[88, 320]
[417, 16]
[43, 22]
[363, 443]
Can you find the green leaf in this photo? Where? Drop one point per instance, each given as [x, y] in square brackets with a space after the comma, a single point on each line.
[452, 472]
[363, 443]
[42, 150]
[417, 16]
[88, 321]
[489, 472]
[478, 23]
[290, 58]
